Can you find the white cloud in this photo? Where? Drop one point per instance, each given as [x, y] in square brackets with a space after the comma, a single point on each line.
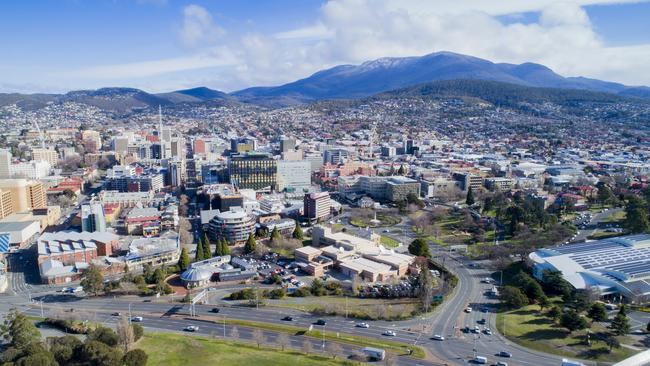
[198, 27]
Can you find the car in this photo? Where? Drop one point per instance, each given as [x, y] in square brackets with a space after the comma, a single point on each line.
[501, 363]
[288, 319]
[480, 359]
[117, 313]
[505, 354]
[191, 328]
[321, 322]
[468, 309]
[476, 330]
[389, 333]
[137, 319]
[481, 321]
[485, 309]
[214, 310]
[438, 337]
[487, 331]
[363, 325]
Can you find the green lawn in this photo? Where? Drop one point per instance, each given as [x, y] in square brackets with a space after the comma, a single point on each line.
[182, 350]
[384, 220]
[601, 234]
[528, 328]
[616, 217]
[389, 242]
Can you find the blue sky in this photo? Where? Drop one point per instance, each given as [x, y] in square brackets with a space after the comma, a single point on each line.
[158, 45]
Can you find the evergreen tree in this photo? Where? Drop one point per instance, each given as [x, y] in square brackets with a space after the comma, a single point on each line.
[597, 312]
[92, 280]
[207, 253]
[199, 251]
[250, 245]
[401, 170]
[297, 232]
[225, 248]
[572, 321]
[275, 234]
[636, 215]
[184, 260]
[470, 197]
[620, 324]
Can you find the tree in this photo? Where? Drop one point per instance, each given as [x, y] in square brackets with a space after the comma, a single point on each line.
[543, 303]
[63, 348]
[184, 260]
[554, 284]
[334, 349]
[425, 288]
[200, 252]
[135, 357]
[97, 353]
[92, 280]
[250, 245]
[469, 200]
[207, 252]
[125, 334]
[258, 337]
[611, 342]
[19, 331]
[307, 347]
[636, 215]
[513, 297]
[420, 248]
[597, 312]
[620, 325]
[554, 313]
[572, 321]
[138, 331]
[297, 232]
[605, 194]
[401, 170]
[283, 340]
[104, 335]
[275, 234]
[158, 276]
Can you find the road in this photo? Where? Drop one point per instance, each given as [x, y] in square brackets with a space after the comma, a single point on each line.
[593, 224]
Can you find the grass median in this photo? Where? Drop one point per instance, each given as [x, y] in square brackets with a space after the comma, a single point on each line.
[390, 346]
[179, 350]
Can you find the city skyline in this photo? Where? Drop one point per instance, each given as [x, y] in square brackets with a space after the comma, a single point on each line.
[167, 45]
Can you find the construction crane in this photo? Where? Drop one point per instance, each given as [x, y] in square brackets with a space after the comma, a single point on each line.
[40, 135]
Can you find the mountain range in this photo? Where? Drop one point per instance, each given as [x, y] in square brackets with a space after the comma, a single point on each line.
[346, 82]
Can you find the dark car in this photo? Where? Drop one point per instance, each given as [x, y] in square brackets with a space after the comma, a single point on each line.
[482, 321]
[288, 319]
[505, 354]
[320, 322]
[214, 310]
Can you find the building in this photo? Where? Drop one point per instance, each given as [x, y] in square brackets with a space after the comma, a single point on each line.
[127, 199]
[221, 268]
[469, 180]
[62, 256]
[317, 206]
[234, 225]
[30, 170]
[213, 173]
[293, 175]
[129, 179]
[284, 226]
[498, 183]
[5, 164]
[48, 155]
[6, 204]
[199, 146]
[25, 194]
[154, 251]
[336, 156]
[92, 218]
[242, 145]
[93, 138]
[256, 171]
[440, 188]
[143, 221]
[315, 159]
[20, 232]
[121, 145]
[383, 189]
[609, 267]
[222, 197]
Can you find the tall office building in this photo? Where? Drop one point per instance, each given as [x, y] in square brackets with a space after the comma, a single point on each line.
[287, 144]
[5, 164]
[6, 204]
[121, 144]
[317, 206]
[294, 175]
[48, 155]
[25, 194]
[92, 218]
[256, 171]
[199, 146]
[336, 156]
[177, 146]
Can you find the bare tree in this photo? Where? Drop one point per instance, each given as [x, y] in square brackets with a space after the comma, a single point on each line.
[390, 360]
[185, 231]
[258, 337]
[307, 347]
[283, 340]
[125, 333]
[334, 349]
[234, 333]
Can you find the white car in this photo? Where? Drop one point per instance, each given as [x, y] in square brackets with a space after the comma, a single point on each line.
[137, 319]
[468, 309]
[389, 333]
[191, 328]
[363, 325]
[438, 337]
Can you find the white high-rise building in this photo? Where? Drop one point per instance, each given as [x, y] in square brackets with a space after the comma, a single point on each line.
[5, 164]
[49, 155]
[293, 175]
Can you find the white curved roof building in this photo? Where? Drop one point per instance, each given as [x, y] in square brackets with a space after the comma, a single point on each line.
[614, 266]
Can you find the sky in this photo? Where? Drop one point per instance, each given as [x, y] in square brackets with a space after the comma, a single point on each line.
[164, 45]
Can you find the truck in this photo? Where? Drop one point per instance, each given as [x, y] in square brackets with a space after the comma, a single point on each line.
[376, 354]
